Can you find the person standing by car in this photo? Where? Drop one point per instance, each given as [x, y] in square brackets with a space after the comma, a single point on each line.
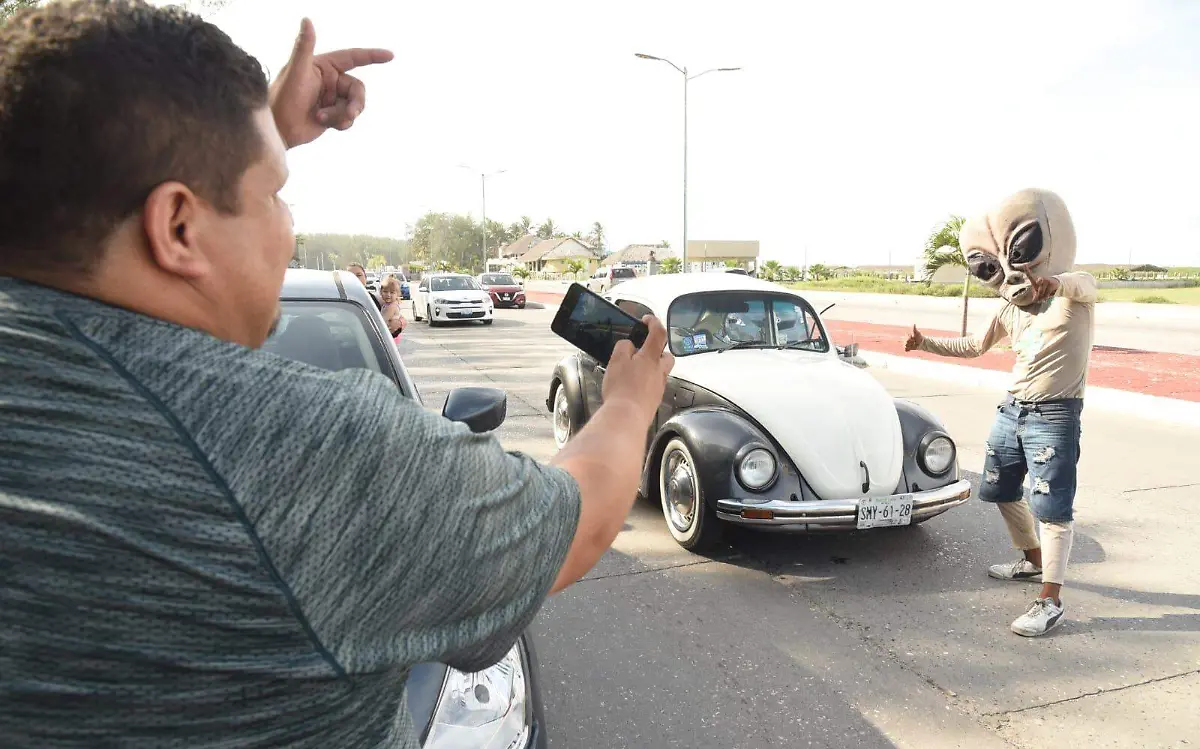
[389, 294]
[1025, 248]
[202, 543]
[361, 274]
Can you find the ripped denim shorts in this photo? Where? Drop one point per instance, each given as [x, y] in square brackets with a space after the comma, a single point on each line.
[1041, 439]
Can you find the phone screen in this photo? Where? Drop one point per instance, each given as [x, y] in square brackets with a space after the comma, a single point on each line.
[594, 325]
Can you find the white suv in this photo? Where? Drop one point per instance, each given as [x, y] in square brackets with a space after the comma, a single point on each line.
[607, 277]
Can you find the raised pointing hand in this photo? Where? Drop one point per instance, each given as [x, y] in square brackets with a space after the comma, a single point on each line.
[315, 92]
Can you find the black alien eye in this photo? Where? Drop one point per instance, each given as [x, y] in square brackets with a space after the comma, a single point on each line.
[1026, 245]
[983, 267]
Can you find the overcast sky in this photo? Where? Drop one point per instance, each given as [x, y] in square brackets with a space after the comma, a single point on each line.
[852, 128]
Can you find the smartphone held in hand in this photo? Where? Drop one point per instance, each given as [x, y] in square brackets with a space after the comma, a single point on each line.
[594, 325]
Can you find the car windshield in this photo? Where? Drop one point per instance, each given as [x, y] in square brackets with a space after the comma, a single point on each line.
[332, 335]
[720, 320]
[499, 279]
[453, 283]
[622, 273]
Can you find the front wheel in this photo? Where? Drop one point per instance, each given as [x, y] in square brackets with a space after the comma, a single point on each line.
[429, 317]
[416, 317]
[691, 522]
[489, 322]
[563, 428]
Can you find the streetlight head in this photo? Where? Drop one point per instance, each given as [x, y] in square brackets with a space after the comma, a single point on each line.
[727, 70]
[646, 57]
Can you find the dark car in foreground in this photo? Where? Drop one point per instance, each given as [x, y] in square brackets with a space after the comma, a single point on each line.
[328, 320]
[503, 289]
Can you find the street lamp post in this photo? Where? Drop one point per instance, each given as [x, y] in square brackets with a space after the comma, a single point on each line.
[686, 78]
[483, 207]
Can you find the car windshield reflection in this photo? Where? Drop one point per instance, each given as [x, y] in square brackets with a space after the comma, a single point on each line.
[330, 335]
[453, 283]
[719, 321]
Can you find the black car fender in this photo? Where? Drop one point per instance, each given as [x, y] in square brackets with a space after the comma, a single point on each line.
[566, 376]
[916, 423]
[717, 439]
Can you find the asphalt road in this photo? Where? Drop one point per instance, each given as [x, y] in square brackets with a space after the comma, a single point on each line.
[876, 639]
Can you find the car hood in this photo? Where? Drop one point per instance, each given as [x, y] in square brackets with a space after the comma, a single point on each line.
[830, 417]
[466, 295]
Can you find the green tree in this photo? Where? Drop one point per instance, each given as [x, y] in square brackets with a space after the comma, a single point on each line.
[521, 272]
[942, 250]
[791, 273]
[574, 267]
[577, 234]
[819, 272]
[376, 261]
[547, 229]
[526, 224]
[596, 237]
[669, 265]
[772, 270]
[8, 7]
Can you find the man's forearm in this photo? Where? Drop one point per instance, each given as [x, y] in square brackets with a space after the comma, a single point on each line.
[606, 459]
[964, 347]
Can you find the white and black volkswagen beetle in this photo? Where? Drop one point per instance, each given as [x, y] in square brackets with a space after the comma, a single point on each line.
[764, 423]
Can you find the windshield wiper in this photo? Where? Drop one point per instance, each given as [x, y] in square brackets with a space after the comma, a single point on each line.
[798, 344]
[745, 344]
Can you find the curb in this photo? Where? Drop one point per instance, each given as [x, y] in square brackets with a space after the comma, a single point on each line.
[1171, 410]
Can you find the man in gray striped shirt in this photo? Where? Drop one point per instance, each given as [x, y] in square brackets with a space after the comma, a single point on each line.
[201, 544]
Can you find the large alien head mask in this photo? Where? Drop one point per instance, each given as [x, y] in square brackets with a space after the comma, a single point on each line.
[1028, 234]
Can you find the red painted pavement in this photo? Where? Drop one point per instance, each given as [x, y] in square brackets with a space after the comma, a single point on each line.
[1149, 372]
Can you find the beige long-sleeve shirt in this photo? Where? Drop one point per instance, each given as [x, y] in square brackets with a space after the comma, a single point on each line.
[1052, 340]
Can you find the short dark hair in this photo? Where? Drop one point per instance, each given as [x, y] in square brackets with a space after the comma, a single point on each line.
[101, 101]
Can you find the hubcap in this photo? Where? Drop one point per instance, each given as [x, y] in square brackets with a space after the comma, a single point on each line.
[680, 491]
[562, 418]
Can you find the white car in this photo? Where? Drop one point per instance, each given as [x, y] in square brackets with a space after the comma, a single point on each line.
[451, 297]
[609, 276]
[764, 422]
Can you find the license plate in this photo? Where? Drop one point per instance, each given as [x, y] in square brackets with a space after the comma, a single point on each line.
[879, 512]
[505, 296]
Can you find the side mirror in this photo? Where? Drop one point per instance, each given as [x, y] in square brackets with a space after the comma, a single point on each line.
[481, 409]
[848, 352]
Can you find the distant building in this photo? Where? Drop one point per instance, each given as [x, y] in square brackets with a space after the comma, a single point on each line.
[552, 255]
[705, 254]
[637, 256]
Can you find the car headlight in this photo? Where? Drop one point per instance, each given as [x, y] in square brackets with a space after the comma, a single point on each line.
[484, 710]
[440, 300]
[936, 454]
[756, 469]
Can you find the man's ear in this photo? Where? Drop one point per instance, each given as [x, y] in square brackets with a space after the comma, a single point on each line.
[171, 218]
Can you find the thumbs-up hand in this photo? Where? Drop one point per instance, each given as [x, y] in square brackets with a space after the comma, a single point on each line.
[915, 339]
[314, 92]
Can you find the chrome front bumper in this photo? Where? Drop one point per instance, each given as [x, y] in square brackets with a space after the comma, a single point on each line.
[832, 514]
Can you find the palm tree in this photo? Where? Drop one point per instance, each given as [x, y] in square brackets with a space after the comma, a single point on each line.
[941, 250]
[792, 273]
[574, 267]
[596, 235]
[547, 229]
[669, 265]
[818, 271]
[577, 234]
[771, 270]
[521, 272]
[526, 225]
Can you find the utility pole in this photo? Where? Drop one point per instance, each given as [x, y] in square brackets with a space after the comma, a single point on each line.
[483, 207]
[683, 71]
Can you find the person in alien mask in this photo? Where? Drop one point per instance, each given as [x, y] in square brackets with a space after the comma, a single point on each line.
[1024, 249]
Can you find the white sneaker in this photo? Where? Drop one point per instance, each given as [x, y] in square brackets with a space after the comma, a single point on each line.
[1022, 569]
[1043, 615]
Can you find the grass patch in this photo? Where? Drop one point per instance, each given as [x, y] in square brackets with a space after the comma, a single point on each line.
[1152, 296]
